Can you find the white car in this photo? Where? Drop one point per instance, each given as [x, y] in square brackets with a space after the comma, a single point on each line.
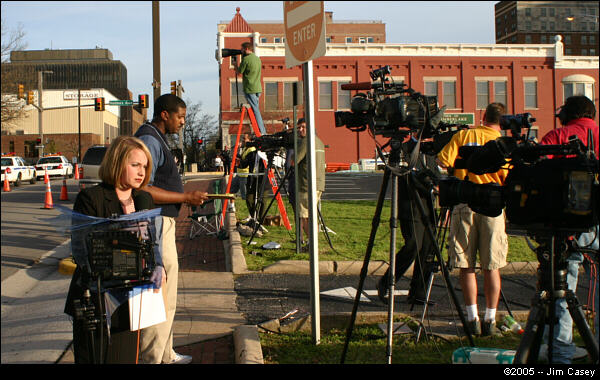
[56, 165]
[16, 171]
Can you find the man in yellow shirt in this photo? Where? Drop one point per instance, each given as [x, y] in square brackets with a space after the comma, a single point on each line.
[471, 232]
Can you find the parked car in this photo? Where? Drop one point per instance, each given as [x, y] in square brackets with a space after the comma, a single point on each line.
[16, 170]
[55, 165]
[90, 165]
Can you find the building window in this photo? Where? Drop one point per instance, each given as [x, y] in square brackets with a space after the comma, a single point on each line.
[584, 52]
[431, 88]
[237, 98]
[543, 39]
[552, 25]
[584, 40]
[544, 25]
[325, 96]
[551, 12]
[592, 51]
[288, 94]
[568, 51]
[277, 40]
[328, 39]
[362, 40]
[370, 40]
[531, 94]
[263, 40]
[578, 88]
[543, 11]
[568, 39]
[271, 96]
[527, 11]
[527, 38]
[500, 92]
[449, 93]
[527, 25]
[343, 96]
[592, 40]
[348, 40]
[483, 95]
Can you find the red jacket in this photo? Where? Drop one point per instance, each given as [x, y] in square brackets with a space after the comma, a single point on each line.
[577, 127]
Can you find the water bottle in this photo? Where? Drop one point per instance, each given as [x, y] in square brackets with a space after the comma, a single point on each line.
[512, 325]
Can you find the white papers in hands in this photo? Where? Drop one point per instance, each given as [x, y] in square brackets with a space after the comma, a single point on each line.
[146, 308]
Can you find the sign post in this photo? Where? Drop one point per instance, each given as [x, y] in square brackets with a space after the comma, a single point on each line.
[304, 23]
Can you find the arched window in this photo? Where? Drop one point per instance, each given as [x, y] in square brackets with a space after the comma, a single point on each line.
[578, 84]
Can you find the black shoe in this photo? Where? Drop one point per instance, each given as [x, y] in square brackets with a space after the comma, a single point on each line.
[382, 291]
[488, 328]
[474, 327]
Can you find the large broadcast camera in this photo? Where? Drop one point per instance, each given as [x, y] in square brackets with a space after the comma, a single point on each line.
[394, 111]
[559, 194]
[273, 142]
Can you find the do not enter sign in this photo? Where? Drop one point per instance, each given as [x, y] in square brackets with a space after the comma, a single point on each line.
[304, 23]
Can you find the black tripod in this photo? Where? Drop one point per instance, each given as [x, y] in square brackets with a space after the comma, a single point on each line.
[389, 172]
[552, 286]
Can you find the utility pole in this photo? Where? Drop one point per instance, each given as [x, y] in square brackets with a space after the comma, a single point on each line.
[41, 109]
[156, 49]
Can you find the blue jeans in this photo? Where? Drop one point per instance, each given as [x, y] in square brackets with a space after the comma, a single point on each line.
[563, 347]
[253, 101]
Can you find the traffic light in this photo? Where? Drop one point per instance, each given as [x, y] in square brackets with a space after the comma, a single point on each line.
[143, 101]
[30, 97]
[21, 94]
[200, 141]
[38, 141]
[174, 88]
[99, 104]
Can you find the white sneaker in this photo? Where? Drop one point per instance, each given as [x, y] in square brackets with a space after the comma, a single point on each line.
[180, 359]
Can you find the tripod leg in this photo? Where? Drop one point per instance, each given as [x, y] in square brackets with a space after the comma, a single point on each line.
[392, 270]
[365, 267]
[529, 347]
[576, 312]
[429, 230]
[429, 285]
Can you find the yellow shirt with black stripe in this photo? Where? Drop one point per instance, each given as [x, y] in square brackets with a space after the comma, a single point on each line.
[472, 137]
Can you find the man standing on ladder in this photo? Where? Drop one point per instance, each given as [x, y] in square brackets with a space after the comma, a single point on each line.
[250, 68]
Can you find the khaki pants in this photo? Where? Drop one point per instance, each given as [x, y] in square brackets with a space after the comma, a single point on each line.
[470, 233]
[156, 342]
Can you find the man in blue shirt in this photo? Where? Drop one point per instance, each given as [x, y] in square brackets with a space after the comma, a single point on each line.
[166, 188]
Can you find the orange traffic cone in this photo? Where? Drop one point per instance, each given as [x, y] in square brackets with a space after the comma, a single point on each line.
[46, 177]
[64, 194]
[6, 184]
[48, 204]
[76, 171]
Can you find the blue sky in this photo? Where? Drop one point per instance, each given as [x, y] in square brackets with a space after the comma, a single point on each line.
[189, 32]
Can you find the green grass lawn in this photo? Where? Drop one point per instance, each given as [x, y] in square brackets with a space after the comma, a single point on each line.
[351, 223]
[369, 346]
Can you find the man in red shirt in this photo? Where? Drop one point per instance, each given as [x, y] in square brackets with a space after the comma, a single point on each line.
[577, 118]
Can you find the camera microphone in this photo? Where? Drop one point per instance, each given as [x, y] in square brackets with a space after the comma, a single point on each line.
[357, 86]
[142, 202]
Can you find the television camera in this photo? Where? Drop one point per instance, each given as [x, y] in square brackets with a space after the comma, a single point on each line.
[273, 142]
[393, 110]
[557, 194]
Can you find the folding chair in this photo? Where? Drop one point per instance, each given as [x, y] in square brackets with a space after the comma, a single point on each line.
[206, 219]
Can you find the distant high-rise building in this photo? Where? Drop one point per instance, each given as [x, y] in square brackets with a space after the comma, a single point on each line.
[538, 22]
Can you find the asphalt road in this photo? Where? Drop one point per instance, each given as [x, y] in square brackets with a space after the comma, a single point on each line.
[26, 235]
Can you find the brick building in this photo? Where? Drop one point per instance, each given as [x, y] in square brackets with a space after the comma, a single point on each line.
[534, 78]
